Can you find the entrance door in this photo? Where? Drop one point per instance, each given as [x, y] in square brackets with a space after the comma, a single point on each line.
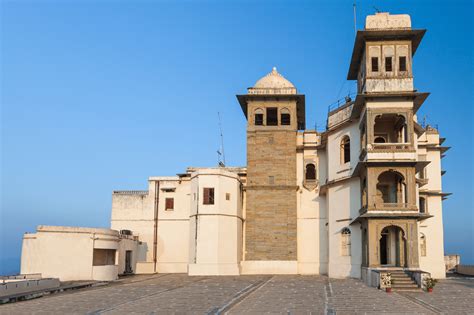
[392, 247]
[128, 261]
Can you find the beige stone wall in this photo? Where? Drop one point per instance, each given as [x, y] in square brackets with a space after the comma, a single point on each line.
[271, 189]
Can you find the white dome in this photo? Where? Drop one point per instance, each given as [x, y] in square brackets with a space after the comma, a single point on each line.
[273, 80]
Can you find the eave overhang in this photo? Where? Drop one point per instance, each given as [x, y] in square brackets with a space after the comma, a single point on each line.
[386, 215]
[417, 97]
[300, 104]
[414, 35]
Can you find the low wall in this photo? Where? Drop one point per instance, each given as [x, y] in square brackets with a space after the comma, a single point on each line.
[105, 273]
[467, 270]
[10, 287]
[451, 261]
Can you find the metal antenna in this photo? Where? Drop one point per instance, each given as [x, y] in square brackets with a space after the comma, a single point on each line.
[376, 10]
[221, 152]
[355, 19]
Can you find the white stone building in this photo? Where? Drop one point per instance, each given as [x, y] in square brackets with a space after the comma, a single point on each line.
[356, 200]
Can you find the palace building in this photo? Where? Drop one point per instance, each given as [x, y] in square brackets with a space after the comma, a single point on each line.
[359, 199]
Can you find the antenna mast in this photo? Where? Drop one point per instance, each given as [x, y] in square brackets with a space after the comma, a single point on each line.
[221, 152]
[355, 19]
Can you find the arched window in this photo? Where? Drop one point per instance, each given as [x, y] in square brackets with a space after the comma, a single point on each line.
[310, 173]
[258, 117]
[379, 140]
[391, 188]
[422, 205]
[345, 150]
[423, 244]
[346, 242]
[285, 118]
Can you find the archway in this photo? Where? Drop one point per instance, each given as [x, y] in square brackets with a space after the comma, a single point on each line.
[392, 246]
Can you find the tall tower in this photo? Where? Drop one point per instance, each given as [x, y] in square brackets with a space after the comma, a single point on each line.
[386, 104]
[275, 113]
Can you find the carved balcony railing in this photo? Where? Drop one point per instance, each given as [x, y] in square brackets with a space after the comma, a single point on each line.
[392, 206]
[390, 147]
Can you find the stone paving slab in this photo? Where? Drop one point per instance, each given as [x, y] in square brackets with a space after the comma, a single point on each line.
[182, 294]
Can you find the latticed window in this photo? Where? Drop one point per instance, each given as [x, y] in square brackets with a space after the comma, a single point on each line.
[423, 244]
[346, 242]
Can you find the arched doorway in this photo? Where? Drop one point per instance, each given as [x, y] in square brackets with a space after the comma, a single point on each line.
[392, 245]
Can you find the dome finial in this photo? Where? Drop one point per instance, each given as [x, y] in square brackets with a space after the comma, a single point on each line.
[274, 70]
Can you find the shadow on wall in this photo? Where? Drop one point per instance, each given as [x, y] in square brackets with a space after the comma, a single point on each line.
[142, 251]
[355, 258]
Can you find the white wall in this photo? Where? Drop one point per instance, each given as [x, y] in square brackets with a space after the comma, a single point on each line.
[311, 214]
[67, 253]
[343, 206]
[216, 230]
[343, 203]
[173, 227]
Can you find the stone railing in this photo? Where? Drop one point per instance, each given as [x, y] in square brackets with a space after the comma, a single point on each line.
[393, 206]
[389, 147]
[276, 91]
[131, 192]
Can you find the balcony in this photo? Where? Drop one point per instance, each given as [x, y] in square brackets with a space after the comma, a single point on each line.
[389, 138]
[388, 152]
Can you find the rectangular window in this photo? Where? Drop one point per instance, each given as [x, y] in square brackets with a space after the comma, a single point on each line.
[258, 119]
[388, 64]
[169, 203]
[285, 119]
[103, 257]
[227, 196]
[272, 116]
[375, 64]
[208, 196]
[403, 63]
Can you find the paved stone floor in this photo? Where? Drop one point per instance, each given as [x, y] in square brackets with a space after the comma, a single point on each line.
[181, 294]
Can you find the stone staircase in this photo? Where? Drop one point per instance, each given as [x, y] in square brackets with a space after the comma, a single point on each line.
[402, 281]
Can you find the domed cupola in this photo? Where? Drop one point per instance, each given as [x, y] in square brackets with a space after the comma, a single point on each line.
[273, 83]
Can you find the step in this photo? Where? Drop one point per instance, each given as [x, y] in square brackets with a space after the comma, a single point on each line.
[414, 286]
[407, 290]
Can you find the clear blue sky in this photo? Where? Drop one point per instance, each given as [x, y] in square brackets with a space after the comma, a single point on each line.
[98, 95]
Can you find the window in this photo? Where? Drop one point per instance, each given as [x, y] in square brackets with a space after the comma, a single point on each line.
[227, 196]
[285, 117]
[310, 172]
[272, 116]
[379, 139]
[388, 64]
[271, 180]
[258, 117]
[423, 245]
[208, 196]
[346, 242]
[402, 64]
[345, 150]
[103, 257]
[422, 205]
[375, 64]
[169, 203]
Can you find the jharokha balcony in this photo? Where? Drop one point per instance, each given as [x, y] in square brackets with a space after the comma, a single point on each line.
[391, 192]
[388, 137]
